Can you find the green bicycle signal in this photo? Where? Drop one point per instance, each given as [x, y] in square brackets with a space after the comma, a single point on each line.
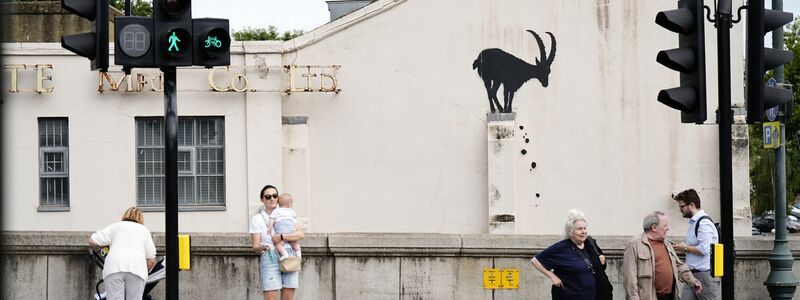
[213, 41]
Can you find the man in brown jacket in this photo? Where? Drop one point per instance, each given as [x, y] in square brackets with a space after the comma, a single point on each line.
[650, 267]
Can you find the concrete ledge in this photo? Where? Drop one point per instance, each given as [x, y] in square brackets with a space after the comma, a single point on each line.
[366, 244]
[394, 244]
[407, 265]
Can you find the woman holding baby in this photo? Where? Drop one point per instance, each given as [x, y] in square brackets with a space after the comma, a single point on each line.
[264, 238]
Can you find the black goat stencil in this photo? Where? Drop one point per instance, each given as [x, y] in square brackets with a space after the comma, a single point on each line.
[497, 67]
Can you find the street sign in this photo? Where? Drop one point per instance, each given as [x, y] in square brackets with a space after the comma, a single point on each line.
[772, 135]
[772, 112]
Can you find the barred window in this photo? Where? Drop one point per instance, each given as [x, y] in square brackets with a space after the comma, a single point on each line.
[201, 161]
[53, 163]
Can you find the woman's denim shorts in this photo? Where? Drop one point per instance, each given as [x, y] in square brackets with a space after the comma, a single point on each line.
[271, 276]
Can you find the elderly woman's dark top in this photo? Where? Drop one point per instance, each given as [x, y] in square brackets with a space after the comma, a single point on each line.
[565, 260]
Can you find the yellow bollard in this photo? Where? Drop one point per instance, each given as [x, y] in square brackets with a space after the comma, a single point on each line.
[184, 248]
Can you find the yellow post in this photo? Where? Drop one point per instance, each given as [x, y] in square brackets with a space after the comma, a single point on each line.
[184, 247]
[717, 256]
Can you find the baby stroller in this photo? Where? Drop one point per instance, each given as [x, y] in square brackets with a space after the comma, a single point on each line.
[158, 273]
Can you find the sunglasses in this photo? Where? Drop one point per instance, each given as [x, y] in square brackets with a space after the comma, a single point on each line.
[268, 196]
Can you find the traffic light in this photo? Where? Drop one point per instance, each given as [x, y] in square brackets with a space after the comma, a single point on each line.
[92, 45]
[172, 21]
[212, 42]
[760, 59]
[134, 42]
[688, 59]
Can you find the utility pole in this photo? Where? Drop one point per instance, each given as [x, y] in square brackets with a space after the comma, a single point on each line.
[723, 22]
[781, 282]
[171, 179]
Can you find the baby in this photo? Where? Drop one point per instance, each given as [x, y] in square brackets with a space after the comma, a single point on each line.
[283, 220]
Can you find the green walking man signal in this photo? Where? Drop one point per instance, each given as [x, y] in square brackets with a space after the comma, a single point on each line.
[173, 42]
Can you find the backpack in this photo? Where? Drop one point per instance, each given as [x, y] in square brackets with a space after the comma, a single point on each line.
[697, 226]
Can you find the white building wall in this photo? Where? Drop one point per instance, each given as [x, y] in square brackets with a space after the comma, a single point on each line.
[102, 146]
[405, 138]
[403, 147]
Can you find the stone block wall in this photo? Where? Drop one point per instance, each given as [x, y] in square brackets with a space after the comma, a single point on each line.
[45, 22]
[55, 265]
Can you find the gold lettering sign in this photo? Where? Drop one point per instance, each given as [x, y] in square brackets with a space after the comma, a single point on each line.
[242, 81]
[40, 78]
[238, 83]
[291, 70]
[126, 78]
[14, 83]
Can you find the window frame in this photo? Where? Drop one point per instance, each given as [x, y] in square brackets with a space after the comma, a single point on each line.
[43, 205]
[192, 173]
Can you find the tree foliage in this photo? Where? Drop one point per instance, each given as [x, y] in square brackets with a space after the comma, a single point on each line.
[762, 161]
[265, 34]
[142, 8]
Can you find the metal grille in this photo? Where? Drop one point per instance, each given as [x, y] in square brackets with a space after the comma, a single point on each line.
[53, 162]
[201, 161]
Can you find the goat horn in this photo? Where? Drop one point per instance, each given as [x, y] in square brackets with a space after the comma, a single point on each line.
[541, 45]
[552, 49]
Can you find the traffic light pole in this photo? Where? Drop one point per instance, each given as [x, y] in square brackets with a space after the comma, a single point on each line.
[781, 282]
[724, 23]
[171, 179]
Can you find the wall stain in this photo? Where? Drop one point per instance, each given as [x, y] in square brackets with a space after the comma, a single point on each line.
[602, 16]
[494, 194]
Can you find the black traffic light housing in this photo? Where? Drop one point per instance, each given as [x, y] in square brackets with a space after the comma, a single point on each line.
[688, 59]
[172, 22]
[759, 60]
[92, 45]
[212, 42]
[133, 45]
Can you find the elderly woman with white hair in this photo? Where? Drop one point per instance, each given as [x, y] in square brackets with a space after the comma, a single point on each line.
[574, 263]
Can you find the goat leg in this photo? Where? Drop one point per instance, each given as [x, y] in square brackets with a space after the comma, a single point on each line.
[509, 102]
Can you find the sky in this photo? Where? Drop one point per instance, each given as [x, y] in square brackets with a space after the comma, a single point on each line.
[309, 14]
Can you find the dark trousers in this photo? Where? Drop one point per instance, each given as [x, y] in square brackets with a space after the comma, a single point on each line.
[665, 297]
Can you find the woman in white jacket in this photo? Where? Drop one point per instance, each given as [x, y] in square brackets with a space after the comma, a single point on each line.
[131, 254]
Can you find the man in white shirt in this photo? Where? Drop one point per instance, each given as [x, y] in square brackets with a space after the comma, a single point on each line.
[700, 236]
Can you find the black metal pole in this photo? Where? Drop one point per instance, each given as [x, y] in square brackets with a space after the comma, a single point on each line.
[127, 70]
[171, 179]
[781, 282]
[724, 24]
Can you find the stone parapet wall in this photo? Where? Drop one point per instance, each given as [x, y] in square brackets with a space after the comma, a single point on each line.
[54, 265]
[45, 22]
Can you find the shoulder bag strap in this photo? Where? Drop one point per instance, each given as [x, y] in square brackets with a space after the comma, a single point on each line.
[586, 259]
[266, 222]
[596, 249]
[697, 226]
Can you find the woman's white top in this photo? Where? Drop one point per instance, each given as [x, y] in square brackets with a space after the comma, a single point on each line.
[130, 246]
[258, 224]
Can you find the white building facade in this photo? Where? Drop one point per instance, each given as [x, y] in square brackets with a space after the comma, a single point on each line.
[381, 124]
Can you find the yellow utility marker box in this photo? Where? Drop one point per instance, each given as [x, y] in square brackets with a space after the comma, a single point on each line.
[510, 279]
[717, 255]
[491, 278]
[500, 278]
[184, 248]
